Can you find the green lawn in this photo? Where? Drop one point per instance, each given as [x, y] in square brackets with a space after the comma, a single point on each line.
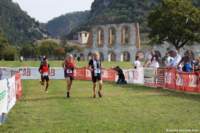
[123, 109]
[58, 64]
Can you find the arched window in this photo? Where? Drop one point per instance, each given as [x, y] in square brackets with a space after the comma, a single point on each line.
[111, 56]
[125, 56]
[125, 35]
[101, 56]
[112, 36]
[100, 37]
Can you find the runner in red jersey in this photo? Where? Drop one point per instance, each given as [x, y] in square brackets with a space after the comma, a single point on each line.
[69, 66]
[44, 71]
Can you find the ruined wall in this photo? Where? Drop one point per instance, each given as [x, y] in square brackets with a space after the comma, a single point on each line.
[115, 42]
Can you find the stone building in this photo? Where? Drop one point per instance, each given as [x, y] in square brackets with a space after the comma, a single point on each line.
[114, 42]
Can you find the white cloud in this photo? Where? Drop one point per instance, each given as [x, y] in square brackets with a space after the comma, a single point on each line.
[44, 10]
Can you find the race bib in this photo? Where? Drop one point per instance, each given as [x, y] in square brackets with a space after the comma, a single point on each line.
[97, 71]
[69, 71]
[45, 74]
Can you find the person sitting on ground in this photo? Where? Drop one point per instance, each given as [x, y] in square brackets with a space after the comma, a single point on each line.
[121, 77]
[137, 63]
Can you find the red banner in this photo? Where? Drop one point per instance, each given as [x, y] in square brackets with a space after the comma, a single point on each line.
[170, 78]
[18, 84]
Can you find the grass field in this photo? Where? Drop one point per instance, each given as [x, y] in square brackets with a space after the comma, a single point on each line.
[123, 109]
[58, 64]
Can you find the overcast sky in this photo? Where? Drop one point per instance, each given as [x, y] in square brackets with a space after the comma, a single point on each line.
[45, 10]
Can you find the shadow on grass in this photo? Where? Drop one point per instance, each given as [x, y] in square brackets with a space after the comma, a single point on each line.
[163, 92]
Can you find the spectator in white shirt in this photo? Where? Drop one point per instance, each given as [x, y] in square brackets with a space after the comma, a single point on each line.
[177, 59]
[137, 63]
[154, 62]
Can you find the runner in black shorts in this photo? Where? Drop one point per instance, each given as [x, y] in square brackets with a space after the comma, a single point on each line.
[44, 71]
[95, 68]
[69, 66]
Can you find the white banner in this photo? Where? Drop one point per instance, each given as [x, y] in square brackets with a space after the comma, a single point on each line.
[12, 92]
[134, 76]
[3, 96]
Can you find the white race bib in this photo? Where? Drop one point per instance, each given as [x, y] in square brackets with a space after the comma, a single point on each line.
[45, 74]
[69, 71]
[97, 71]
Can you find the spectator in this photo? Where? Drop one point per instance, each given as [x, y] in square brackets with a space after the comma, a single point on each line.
[176, 60]
[137, 63]
[187, 67]
[168, 59]
[148, 61]
[196, 64]
[154, 62]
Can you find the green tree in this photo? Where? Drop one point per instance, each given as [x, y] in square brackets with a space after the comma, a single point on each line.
[28, 51]
[3, 44]
[10, 53]
[175, 21]
[48, 47]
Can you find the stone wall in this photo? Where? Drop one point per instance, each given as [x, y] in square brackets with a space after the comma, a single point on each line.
[115, 42]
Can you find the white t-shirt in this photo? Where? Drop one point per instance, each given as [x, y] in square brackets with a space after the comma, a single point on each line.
[137, 64]
[176, 60]
[154, 64]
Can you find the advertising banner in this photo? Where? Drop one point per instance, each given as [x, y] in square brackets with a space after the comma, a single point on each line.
[170, 78]
[150, 77]
[134, 76]
[3, 96]
[11, 90]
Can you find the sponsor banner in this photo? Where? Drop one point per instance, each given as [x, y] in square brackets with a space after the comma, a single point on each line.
[3, 96]
[134, 76]
[150, 76]
[161, 77]
[11, 90]
[170, 78]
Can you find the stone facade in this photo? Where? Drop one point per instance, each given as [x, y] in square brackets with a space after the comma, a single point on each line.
[114, 42]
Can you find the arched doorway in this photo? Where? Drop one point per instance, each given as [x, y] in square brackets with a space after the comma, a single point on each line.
[111, 56]
[112, 36]
[125, 35]
[125, 56]
[100, 37]
[101, 56]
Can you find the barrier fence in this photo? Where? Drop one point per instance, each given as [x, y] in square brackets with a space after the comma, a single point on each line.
[10, 92]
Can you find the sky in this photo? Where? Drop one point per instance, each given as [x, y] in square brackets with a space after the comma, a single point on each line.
[45, 10]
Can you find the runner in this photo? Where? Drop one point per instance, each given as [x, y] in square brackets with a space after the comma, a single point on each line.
[44, 71]
[69, 66]
[95, 68]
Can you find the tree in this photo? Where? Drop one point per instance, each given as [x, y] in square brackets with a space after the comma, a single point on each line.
[10, 53]
[176, 22]
[28, 51]
[48, 47]
[3, 44]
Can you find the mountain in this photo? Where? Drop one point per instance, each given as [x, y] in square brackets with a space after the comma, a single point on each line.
[107, 12]
[64, 24]
[17, 26]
